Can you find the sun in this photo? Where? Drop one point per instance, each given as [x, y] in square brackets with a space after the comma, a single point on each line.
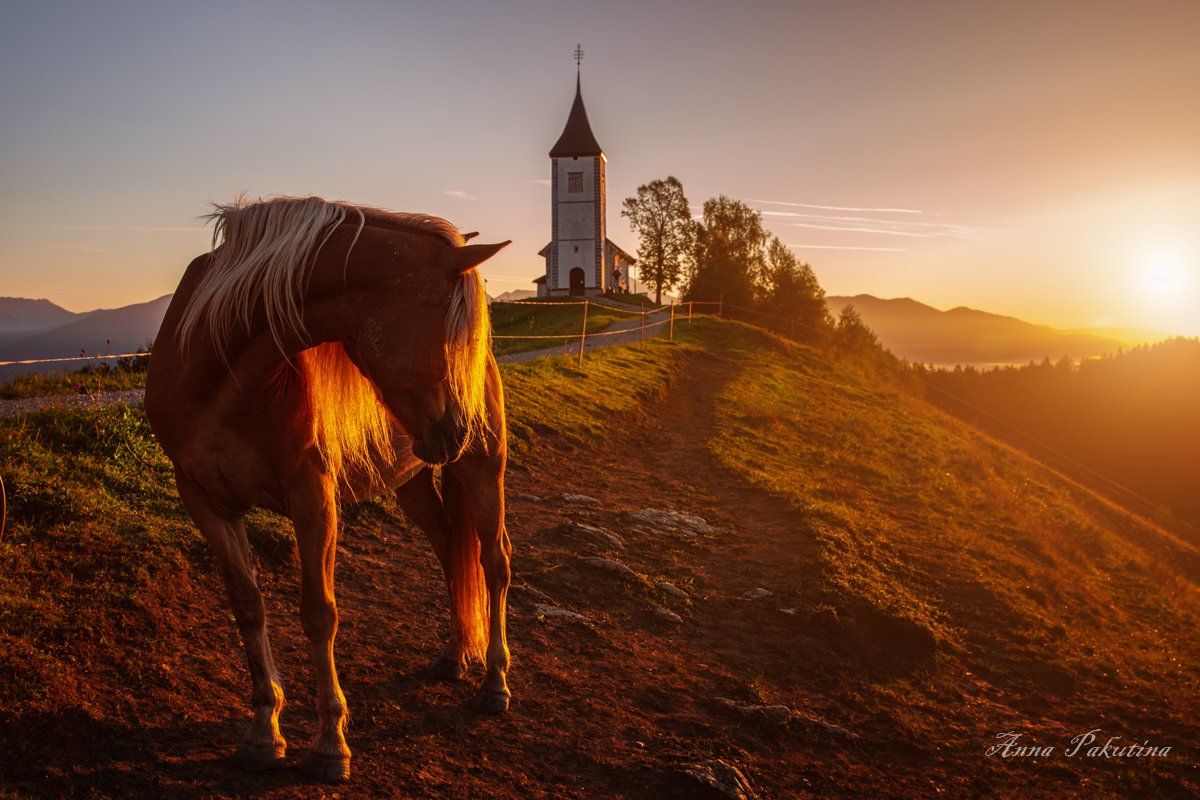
[1164, 274]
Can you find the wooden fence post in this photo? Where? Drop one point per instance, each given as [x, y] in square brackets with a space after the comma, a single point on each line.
[642, 334]
[583, 334]
[691, 303]
[671, 338]
[721, 308]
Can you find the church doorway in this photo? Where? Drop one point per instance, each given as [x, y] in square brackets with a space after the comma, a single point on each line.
[577, 281]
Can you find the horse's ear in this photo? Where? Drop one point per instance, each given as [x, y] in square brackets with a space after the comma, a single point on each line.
[458, 260]
[469, 236]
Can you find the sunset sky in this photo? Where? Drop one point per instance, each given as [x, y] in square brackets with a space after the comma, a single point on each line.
[1035, 159]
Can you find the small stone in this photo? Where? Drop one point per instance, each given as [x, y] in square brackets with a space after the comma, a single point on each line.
[782, 715]
[667, 615]
[775, 714]
[673, 521]
[817, 722]
[791, 612]
[525, 498]
[579, 499]
[609, 565]
[597, 534]
[723, 777]
[755, 594]
[672, 590]
[554, 612]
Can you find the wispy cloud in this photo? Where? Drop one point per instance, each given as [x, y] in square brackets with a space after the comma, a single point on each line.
[58, 227]
[78, 247]
[848, 247]
[159, 229]
[949, 228]
[836, 208]
[883, 231]
[542, 181]
[460, 194]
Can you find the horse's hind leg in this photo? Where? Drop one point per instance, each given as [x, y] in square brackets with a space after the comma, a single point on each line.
[313, 510]
[480, 493]
[263, 746]
[421, 503]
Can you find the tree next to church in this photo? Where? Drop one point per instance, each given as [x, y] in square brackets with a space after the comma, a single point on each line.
[659, 214]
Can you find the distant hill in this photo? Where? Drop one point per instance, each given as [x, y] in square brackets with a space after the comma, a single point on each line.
[23, 314]
[116, 330]
[919, 332]
[515, 294]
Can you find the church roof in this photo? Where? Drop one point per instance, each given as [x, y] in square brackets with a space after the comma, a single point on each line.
[577, 138]
[613, 245]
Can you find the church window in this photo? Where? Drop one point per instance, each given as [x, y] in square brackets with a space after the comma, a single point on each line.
[574, 181]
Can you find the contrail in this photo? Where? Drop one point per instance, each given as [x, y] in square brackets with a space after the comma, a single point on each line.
[836, 208]
[848, 247]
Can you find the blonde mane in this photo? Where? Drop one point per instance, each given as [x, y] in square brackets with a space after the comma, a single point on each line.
[267, 252]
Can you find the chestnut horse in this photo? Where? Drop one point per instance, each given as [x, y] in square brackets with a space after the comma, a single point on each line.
[326, 352]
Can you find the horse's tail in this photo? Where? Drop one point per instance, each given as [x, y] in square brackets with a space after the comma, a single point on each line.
[468, 587]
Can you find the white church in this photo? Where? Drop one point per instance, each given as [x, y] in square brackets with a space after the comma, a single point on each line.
[580, 258]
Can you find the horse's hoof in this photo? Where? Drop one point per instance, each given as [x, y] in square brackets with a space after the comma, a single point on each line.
[257, 757]
[447, 669]
[325, 769]
[491, 702]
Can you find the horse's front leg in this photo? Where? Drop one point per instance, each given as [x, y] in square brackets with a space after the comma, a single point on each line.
[263, 746]
[313, 510]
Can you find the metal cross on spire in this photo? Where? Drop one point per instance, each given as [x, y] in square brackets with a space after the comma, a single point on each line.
[578, 57]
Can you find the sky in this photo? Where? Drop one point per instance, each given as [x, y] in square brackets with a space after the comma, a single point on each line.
[1038, 159]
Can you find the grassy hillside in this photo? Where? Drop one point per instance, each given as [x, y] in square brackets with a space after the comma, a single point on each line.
[926, 588]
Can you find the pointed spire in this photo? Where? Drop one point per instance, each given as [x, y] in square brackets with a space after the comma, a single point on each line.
[577, 138]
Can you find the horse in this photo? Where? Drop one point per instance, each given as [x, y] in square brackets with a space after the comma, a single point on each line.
[322, 353]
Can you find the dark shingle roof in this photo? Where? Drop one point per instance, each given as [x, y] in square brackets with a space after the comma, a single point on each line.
[577, 138]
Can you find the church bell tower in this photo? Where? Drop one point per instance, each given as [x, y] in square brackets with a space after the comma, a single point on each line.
[577, 201]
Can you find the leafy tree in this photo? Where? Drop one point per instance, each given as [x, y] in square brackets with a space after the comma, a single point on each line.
[662, 219]
[853, 334]
[792, 291]
[728, 259]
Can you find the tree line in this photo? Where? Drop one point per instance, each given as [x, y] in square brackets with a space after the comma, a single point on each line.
[1132, 417]
[726, 255]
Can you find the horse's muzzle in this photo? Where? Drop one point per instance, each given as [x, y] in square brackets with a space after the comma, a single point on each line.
[442, 442]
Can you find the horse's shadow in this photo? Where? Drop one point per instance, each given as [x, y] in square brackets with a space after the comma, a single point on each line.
[71, 753]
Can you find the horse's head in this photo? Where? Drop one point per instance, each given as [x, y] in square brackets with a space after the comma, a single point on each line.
[423, 338]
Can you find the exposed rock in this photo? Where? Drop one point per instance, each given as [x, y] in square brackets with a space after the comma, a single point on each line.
[596, 534]
[609, 565]
[817, 722]
[532, 591]
[555, 612]
[673, 521]
[579, 499]
[724, 777]
[782, 715]
[524, 498]
[775, 714]
[667, 615]
[673, 590]
[754, 594]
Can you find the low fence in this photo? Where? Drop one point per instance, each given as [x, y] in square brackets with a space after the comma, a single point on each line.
[672, 312]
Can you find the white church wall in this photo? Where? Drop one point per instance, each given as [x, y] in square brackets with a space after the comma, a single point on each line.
[569, 164]
[576, 254]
